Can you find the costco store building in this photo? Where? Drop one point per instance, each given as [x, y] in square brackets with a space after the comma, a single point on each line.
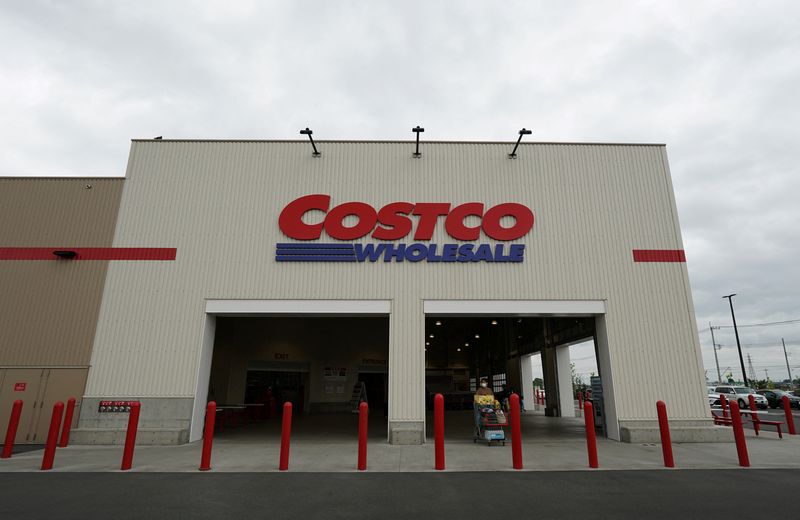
[233, 270]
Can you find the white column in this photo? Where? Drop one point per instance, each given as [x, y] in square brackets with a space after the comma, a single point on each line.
[527, 381]
[605, 364]
[566, 404]
[203, 375]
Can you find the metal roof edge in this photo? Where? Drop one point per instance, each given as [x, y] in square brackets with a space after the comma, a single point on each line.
[61, 178]
[389, 141]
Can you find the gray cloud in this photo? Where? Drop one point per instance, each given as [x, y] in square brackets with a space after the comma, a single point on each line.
[716, 81]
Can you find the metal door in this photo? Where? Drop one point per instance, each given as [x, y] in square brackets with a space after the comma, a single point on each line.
[24, 384]
[59, 385]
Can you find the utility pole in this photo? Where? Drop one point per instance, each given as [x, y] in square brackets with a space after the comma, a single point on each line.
[716, 359]
[736, 331]
[786, 357]
[750, 367]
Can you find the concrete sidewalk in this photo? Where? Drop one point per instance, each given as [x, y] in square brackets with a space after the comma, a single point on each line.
[549, 444]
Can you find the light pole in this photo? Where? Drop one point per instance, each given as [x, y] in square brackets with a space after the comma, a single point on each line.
[736, 332]
[786, 357]
[716, 359]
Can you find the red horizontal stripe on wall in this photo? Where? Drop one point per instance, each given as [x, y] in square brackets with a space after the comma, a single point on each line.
[659, 255]
[89, 253]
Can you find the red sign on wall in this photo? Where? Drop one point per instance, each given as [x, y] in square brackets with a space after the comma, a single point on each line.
[20, 387]
[115, 406]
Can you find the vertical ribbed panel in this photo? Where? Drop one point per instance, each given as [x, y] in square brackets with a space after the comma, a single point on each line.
[218, 203]
[49, 309]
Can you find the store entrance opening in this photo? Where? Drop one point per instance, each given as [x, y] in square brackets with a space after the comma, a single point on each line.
[460, 350]
[323, 365]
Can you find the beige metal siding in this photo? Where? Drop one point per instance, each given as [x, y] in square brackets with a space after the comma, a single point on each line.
[48, 313]
[218, 204]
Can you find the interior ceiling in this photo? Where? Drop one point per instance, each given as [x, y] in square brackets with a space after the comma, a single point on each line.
[522, 334]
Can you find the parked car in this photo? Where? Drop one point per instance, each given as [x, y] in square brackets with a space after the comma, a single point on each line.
[740, 393]
[713, 397]
[774, 398]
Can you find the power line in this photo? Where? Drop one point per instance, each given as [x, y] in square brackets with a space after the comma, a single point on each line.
[768, 324]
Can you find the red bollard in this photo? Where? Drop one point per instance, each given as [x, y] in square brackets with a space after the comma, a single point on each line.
[738, 435]
[666, 442]
[591, 441]
[363, 421]
[438, 430]
[516, 432]
[787, 409]
[208, 436]
[11, 432]
[67, 423]
[723, 401]
[580, 400]
[753, 415]
[286, 433]
[52, 436]
[130, 438]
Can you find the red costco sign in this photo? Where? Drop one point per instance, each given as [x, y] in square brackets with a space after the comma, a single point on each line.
[393, 221]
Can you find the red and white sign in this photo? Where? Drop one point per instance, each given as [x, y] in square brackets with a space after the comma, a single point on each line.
[20, 387]
[393, 221]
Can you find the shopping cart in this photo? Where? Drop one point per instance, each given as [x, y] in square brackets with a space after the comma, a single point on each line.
[489, 425]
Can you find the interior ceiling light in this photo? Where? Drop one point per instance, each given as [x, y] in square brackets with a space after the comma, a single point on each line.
[458, 349]
[494, 322]
[428, 343]
[466, 344]
[438, 322]
[477, 336]
[430, 336]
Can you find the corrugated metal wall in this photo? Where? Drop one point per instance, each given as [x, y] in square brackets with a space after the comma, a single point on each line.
[49, 309]
[218, 203]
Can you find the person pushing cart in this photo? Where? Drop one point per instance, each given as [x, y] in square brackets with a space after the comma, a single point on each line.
[489, 418]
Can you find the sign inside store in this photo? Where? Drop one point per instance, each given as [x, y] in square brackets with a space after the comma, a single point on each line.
[393, 222]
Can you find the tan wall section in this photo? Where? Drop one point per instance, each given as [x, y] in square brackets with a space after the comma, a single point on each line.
[48, 312]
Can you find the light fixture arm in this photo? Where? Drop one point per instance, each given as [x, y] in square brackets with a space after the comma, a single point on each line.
[417, 130]
[524, 131]
[308, 132]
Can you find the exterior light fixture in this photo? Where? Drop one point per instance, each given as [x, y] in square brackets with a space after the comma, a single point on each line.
[308, 133]
[417, 130]
[513, 154]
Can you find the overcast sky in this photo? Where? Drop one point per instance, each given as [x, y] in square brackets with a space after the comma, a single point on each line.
[718, 82]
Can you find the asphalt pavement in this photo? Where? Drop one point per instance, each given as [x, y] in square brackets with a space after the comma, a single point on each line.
[642, 494]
